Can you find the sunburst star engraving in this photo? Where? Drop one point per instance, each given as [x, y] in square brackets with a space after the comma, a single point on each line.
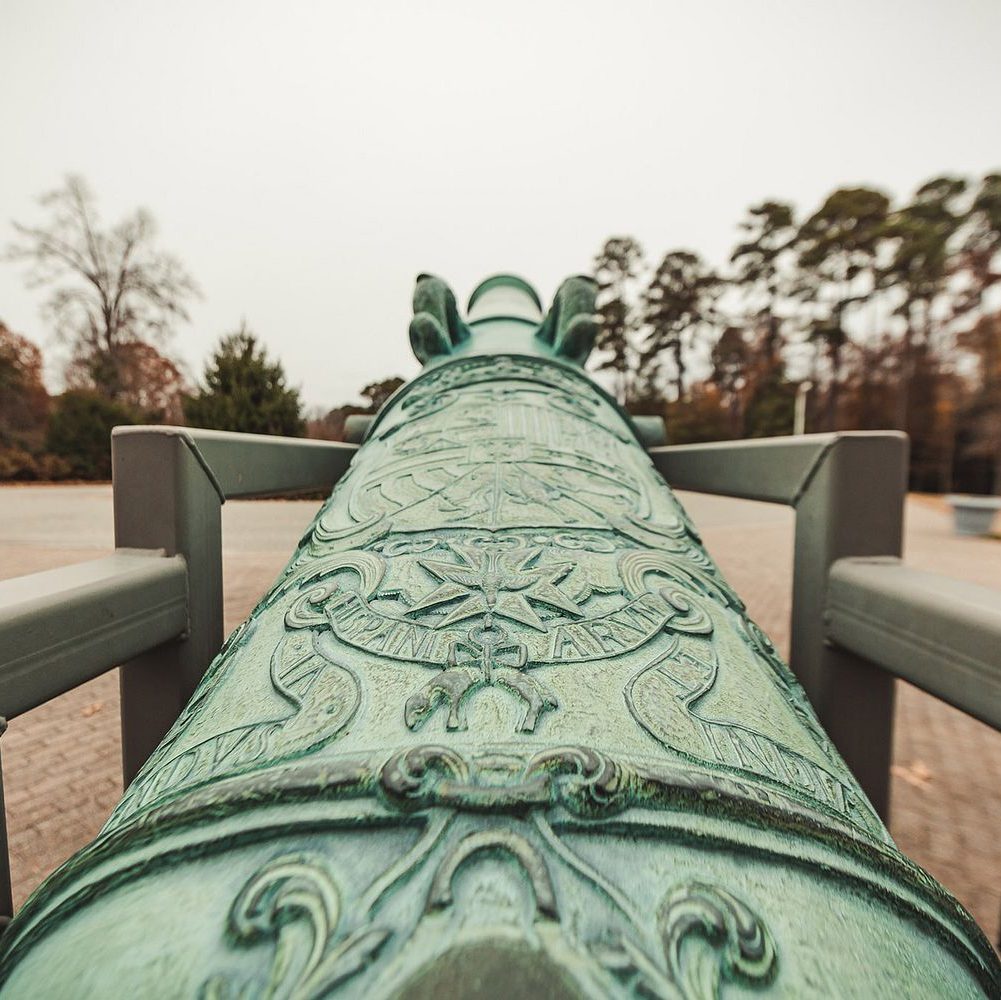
[496, 581]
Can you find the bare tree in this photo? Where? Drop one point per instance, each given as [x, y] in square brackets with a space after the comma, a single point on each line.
[111, 287]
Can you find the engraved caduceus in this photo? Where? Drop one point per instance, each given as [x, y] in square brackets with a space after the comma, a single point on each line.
[487, 657]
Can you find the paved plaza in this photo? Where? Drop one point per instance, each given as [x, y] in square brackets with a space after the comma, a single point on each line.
[61, 762]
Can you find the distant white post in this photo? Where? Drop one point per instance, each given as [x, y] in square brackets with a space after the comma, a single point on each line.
[799, 414]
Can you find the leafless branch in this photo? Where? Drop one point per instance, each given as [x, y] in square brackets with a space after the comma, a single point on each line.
[109, 286]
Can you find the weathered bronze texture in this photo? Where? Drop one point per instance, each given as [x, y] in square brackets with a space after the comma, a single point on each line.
[500, 729]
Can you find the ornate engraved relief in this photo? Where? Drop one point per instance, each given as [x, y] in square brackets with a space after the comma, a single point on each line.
[581, 779]
[485, 658]
[314, 700]
[500, 529]
[730, 718]
[432, 392]
[486, 841]
[555, 612]
[295, 903]
[709, 937]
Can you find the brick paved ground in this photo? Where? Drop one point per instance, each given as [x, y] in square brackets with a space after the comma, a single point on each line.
[61, 761]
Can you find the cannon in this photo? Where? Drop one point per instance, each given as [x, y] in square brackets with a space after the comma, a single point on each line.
[500, 728]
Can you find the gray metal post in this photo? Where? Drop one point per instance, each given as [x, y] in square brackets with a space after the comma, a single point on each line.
[851, 505]
[166, 498]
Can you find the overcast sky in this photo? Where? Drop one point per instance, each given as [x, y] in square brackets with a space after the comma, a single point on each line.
[307, 160]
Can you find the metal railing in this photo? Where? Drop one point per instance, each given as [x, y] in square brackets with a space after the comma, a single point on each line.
[169, 486]
[859, 617]
[155, 607]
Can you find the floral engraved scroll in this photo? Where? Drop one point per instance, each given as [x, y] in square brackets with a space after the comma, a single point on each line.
[309, 703]
[294, 904]
[722, 698]
[709, 938]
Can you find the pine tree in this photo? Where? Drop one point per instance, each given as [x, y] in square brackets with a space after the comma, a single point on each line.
[923, 234]
[837, 251]
[758, 270]
[245, 391]
[616, 269]
[680, 306]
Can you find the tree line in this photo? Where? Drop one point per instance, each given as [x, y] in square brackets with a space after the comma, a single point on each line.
[876, 314]
[866, 313]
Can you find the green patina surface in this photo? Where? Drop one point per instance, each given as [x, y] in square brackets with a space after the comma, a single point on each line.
[500, 729]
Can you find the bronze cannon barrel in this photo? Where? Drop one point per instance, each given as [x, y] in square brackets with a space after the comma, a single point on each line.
[501, 728]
